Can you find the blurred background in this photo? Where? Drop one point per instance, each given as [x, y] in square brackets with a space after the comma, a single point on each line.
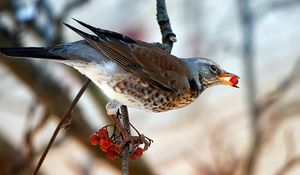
[246, 131]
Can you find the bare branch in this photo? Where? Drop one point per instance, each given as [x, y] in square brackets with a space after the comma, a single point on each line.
[66, 118]
[168, 37]
[125, 153]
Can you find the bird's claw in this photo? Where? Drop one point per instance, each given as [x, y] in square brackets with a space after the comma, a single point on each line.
[112, 108]
[133, 141]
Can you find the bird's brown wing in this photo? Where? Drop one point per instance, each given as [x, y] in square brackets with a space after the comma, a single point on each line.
[149, 62]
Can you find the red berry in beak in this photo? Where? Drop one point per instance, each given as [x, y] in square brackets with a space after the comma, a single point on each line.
[234, 80]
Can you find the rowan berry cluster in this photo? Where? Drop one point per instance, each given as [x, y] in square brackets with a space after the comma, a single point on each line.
[112, 145]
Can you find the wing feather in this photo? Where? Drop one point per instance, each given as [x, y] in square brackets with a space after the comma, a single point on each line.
[145, 60]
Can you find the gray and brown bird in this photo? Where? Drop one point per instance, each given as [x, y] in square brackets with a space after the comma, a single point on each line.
[132, 72]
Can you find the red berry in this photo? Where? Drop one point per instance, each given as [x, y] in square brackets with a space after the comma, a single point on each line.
[133, 156]
[117, 148]
[111, 153]
[102, 133]
[105, 144]
[94, 139]
[139, 152]
[234, 80]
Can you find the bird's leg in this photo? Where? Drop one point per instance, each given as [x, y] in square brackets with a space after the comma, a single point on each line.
[118, 124]
[112, 107]
[113, 110]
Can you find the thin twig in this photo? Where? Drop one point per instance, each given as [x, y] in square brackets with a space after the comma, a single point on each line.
[66, 117]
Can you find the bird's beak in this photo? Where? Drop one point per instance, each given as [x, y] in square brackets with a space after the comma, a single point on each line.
[229, 79]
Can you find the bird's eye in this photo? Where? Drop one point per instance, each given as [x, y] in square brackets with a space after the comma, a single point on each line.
[213, 69]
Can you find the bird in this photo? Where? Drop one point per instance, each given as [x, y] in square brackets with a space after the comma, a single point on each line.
[132, 72]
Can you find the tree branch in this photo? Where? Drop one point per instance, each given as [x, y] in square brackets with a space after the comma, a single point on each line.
[66, 118]
[125, 153]
[168, 37]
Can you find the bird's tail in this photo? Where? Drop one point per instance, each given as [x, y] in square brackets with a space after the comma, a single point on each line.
[31, 52]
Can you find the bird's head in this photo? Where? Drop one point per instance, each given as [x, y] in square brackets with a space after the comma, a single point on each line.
[210, 73]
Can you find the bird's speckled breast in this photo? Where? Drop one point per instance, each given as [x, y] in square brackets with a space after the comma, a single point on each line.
[141, 95]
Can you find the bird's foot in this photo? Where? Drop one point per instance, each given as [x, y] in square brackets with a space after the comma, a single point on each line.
[112, 108]
[141, 139]
[133, 141]
[136, 141]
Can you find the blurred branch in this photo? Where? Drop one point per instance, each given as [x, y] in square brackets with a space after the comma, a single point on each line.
[30, 132]
[224, 157]
[281, 89]
[247, 51]
[49, 28]
[225, 160]
[247, 21]
[289, 166]
[69, 6]
[12, 160]
[274, 5]
[289, 141]
[283, 111]
[4, 4]
[247, 24]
